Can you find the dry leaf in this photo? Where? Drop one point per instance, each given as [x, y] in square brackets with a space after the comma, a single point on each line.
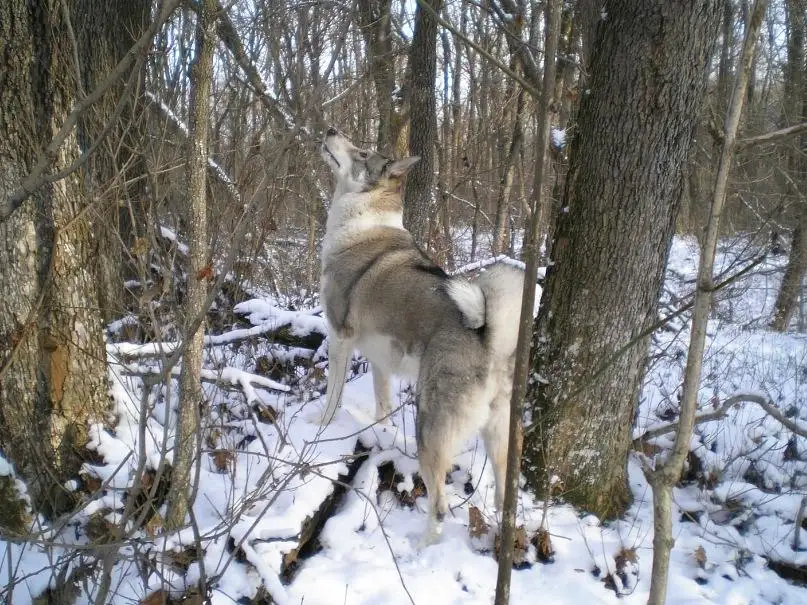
[543, 546]
[140, 246]
[222, 460]
[625, 556]
[156, 598]
[520, 547]
[154, 526]
[476, 524]
[265, 413]
[700, 557]
[205, 273]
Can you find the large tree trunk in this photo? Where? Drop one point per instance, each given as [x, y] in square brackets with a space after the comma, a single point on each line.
[419, 195]
[795, 112]
[105, 31]
[191, 399]
[53, 376]
[622, 194]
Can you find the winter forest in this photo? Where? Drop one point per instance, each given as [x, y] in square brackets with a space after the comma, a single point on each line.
[165, 187]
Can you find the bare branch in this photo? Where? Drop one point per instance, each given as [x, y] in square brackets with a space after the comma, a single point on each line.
[773, 137]
[764, 402]
[228, 378]
[522, 362]
[229, 36]
[532, 90]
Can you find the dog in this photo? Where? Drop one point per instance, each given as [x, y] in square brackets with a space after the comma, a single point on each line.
[382, 295]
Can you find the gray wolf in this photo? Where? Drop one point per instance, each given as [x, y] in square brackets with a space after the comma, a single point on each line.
[384, 296]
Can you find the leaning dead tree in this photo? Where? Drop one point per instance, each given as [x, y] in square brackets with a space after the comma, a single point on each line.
[664, 477]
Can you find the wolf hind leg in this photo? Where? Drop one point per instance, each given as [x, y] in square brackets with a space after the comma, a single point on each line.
[434, 462]
[438, 430]
[495, 435]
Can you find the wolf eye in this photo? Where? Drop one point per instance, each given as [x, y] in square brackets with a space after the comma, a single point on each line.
[363, 155]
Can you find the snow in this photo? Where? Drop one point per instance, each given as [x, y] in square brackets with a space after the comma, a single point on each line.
[558, 137]
[171, 236]
[281, 472]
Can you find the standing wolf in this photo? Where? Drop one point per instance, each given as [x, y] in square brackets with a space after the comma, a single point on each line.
[384, 296]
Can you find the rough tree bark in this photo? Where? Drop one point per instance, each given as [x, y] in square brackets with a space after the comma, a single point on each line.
[52, 357]
[621, 198]
[105, 31]
[795, 112]
[191, 398]
[419, 195]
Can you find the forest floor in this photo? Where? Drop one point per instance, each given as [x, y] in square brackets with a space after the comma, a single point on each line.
[306, 515]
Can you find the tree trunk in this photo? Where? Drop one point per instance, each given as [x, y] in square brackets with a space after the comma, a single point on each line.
[787, 299]
[374, 19]
[419, 195]
[795, 112]
[621, 199]
[105, 31]
[724, 67]
[52, 356]
[508, 172]
[191, 399]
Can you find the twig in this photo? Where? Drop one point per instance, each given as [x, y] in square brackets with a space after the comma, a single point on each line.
[649, 330]
[216, 377]
[515, 431]
[534, 92]
[180, 129]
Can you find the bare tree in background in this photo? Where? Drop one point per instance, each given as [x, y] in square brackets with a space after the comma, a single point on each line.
[376, 25]
[419, 194]
[795, 110]
[113, 128]
[666, 474]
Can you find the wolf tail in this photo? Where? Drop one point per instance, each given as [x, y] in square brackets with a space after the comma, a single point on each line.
[502, 286]
[493, 301]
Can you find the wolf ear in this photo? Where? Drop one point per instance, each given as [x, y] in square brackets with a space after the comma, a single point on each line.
[399, 168]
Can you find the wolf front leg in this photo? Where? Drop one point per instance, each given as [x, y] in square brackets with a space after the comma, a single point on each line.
[339, 352]
[381, 387]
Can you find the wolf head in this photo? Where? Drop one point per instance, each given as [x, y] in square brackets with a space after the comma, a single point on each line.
[360, 170]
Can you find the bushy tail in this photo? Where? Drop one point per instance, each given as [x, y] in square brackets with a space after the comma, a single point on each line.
[493, 301]
[502, 286]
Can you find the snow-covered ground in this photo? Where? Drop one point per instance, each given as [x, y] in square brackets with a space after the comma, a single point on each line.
[259, 480]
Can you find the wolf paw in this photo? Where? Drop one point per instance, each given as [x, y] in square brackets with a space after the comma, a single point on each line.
[431, 536]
